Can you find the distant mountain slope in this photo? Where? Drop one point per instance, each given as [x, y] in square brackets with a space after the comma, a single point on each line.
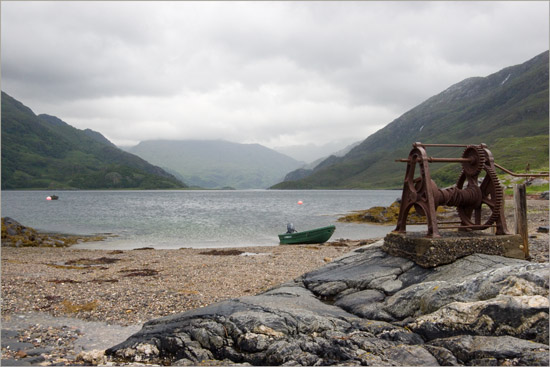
[217, 163]
[308, 169]
[311, 153]
[43, 152]
[512, 103]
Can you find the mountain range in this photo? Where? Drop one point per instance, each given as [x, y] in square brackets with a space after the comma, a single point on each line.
[507, 110]
[217, 163]
[44, 152]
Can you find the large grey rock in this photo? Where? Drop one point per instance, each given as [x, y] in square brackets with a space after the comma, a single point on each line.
[461, 282]
[490, 350]
[522, 316]
[366, 308]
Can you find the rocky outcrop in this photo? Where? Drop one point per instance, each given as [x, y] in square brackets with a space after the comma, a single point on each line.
[367, 308]
[379, 215]
[390, 214]
[15, 234]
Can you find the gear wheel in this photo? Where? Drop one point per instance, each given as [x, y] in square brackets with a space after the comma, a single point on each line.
[492, 193]
[477, 157]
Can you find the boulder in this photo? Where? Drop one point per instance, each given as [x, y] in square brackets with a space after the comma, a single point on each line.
[367, 307]
[15, 234]
[537, 182]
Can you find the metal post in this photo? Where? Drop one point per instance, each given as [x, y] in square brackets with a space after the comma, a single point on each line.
[520, 216]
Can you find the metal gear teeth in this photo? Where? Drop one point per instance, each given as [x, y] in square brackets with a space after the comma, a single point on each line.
[472, 170]
[499, 194]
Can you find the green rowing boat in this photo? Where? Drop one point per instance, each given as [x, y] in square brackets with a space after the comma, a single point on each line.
[317, 235]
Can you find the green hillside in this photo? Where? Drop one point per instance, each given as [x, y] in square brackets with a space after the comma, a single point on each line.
[43, 152]
[217, 163]
[507, 110]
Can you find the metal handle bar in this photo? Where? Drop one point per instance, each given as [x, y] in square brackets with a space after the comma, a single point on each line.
[540, 174]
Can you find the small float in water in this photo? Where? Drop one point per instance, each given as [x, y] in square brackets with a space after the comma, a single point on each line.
[317, 235]
[52, 197]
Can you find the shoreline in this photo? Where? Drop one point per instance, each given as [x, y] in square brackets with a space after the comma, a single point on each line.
[133, 286]
[53, 296]
[75, 300]
[95, 284]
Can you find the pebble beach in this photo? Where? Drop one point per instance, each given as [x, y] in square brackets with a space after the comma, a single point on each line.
[127, 288]
[52, 296]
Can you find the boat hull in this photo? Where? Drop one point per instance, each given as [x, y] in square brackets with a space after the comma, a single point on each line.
[317, 235]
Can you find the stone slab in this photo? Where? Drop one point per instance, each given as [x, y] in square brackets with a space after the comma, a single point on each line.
[367, 308]
[431, 252]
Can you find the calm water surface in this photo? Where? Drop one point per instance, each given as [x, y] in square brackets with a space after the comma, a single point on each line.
[174, 219]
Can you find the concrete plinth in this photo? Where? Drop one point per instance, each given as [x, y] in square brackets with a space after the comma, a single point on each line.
[431, 252]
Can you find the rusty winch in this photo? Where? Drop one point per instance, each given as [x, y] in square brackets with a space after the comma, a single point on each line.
[477, 194]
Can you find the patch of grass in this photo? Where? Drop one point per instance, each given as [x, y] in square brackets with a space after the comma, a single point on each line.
[76, 308]
[516, 153]
[537, 189]
[529, 189]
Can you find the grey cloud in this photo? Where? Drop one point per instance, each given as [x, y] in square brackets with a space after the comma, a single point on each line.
[254, 71]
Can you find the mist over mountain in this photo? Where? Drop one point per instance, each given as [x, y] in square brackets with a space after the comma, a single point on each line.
[507, 110]
[307, 170]
[311, 153]
[217, 163]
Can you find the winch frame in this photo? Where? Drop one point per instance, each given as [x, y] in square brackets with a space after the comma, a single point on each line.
[467, 195]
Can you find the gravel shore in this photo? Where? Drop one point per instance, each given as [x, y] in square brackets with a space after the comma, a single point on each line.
[127, 288]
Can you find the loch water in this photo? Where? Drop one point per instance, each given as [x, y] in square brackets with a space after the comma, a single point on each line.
[193, 218]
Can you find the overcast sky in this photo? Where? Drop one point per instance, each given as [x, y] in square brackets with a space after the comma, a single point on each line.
[274, 73]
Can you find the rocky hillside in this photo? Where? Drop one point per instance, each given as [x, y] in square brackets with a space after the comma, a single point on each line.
[507, 110]
[44, 152]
